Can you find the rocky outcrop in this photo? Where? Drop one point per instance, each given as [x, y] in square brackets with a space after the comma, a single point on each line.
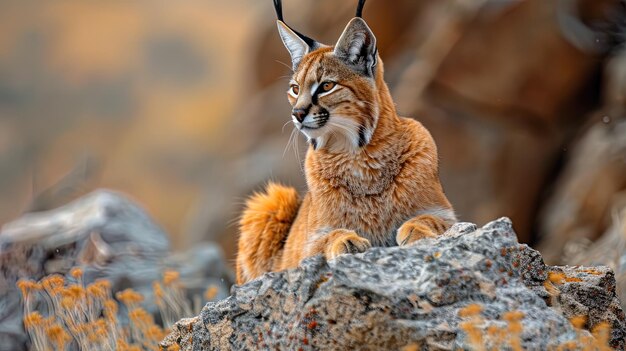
[435, 294]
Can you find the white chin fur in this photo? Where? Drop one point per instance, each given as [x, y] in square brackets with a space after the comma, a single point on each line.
[314, 133]
[340, 134]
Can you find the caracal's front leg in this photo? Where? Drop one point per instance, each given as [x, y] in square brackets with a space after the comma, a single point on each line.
[423, 226]
[340, 241]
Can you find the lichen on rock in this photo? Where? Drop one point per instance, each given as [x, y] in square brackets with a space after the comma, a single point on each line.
[414, 297]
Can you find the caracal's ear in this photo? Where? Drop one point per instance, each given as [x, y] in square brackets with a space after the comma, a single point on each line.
[357, 47]
[296, 45]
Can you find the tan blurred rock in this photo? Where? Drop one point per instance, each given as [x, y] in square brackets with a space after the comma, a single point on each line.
[587, 190]
[615, 92]
[503, 105]
[591, 189]
[324, 22]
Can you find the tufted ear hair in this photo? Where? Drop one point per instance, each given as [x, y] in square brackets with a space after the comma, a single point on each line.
[357, 47]
[295, 44]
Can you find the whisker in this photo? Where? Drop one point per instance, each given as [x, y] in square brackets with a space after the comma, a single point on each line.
[293, 132]
[297, 152]
[284, 125]
[286, 65]
[350, 134]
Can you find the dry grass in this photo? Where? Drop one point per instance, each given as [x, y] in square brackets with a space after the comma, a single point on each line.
[63, 314]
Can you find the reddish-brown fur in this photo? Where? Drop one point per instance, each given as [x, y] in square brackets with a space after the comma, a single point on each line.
[384, 193]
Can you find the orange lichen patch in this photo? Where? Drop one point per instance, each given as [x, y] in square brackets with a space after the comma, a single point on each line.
[569, 345]
[470, 310]
[211, 293]
[578, 321]
[591, 271]
[497, 336]
[129, 297]
[474, 334]
[514, 329]
[573, 280]
[551, 288]
[513, 316]
[170, 277]
[411, 347]
[471, 327]
[556, 277]
[601, 333]
[508, 336]
[493, 331]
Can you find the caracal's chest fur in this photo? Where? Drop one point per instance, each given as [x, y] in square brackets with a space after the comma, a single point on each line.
[372, 192]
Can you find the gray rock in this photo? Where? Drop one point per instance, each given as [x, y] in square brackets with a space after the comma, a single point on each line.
[609, 250]
[389, 298]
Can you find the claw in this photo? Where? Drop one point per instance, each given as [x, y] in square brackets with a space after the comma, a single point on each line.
[346, 242]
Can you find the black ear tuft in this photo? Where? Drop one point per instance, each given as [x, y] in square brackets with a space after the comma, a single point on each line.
[357, 47]
[298, 44]
[278, 6]
[359, 8]
[310, 42]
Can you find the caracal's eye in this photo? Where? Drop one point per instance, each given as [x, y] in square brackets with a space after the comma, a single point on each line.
[295, 90]
[328, 86]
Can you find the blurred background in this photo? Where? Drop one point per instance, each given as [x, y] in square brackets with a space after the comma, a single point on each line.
[182, 106]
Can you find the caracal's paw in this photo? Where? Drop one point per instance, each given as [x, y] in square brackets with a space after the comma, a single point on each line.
[412, 231]
[342, 241]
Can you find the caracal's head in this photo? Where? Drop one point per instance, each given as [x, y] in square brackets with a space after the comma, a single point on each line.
[333, 89]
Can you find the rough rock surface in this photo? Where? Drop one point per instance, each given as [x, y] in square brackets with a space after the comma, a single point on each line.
[610, 251]
[109, 237]
[389, 298]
